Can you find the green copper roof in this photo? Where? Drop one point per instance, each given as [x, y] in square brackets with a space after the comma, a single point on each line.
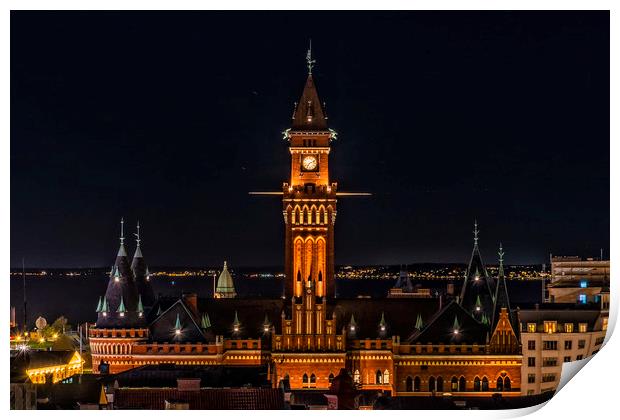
[104, 305]
[478, 301]
[456, 325]
[140, 307]
[352, 322]
[266, 321]
[205, 321]
[99, 305]
[121, 307]
[225, 286]
[382, 322]
[236, 321]
[418, 322]
[158, 310]
[177, 324]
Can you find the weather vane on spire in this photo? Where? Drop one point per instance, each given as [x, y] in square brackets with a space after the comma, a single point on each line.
[309, 59]
[122, 231]
[476, 232]
[501, 254]
[138, 235]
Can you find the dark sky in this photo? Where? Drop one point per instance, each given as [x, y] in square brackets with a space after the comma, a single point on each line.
[172, 117]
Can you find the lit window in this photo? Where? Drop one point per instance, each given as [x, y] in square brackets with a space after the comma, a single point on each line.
[568, 327]
[583, 284]
[531, 328]
[551, 326]
[604, 327]
[583, 299]
[583, 327]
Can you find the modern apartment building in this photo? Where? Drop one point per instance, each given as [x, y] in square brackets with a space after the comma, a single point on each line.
[552, 334]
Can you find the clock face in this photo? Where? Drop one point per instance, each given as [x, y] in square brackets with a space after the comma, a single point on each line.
[309, 163]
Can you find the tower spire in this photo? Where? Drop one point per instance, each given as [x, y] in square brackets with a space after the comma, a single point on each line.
[122, 231]
[309, 61]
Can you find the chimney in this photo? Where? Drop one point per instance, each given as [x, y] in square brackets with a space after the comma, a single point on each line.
[191, 299]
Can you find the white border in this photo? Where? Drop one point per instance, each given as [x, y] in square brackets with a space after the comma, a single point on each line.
[590, 395]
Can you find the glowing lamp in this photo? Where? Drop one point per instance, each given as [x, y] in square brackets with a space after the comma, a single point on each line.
[456, 331]
[116, 279]
[382, 328]
[266, 329]
[104, 313]
[236, 329]
[477, 308]
[177, 331]
[18, 338]
[477, 278]
[140, 314]
[352, 328]
[55, 336]
[41, 340]
[148, 277]
[122, 314]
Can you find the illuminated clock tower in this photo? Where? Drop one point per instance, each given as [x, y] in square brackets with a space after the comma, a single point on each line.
[309, 198]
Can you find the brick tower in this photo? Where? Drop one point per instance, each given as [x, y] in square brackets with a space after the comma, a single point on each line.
[309, 198]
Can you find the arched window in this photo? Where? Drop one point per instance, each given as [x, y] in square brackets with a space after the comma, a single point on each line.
[485, 384]
[305, 380]
[506, 383]
[431, 384]
[416, 384]
[439, 384]
[500, 384]
[454, 384]
[356, 376]
[378, 377]
[409, 384]
[313, 380]
[462, 384]
[476, 384]
[386, 377]
[331, 378]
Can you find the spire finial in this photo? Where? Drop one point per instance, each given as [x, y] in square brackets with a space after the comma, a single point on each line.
[122, 231]
[476, 232]
[310, 62]
[138, 234]
[501, 260]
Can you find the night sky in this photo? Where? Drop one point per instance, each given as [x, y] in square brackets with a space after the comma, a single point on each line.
[173, 117]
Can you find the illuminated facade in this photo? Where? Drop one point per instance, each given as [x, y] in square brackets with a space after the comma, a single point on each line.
[403, 345]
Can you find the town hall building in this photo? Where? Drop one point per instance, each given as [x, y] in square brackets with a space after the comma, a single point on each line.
[464, 344]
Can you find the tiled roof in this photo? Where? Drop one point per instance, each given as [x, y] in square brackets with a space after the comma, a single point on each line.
[205, 399]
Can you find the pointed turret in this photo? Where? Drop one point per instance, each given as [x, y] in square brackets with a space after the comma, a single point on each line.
[266, 324]
[382, 326]
[177, 327]
[140, 306]
[205, 322]
[141, 274]
[236, 324]
[99, 305]
[501, 295]
[418, 323]
[121, 307]
[309, 114]
[456, 326]
[225, 286]
[121, 293]
[477, 293]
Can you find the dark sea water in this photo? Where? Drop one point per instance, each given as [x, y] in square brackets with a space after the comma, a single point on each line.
[76, 296]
